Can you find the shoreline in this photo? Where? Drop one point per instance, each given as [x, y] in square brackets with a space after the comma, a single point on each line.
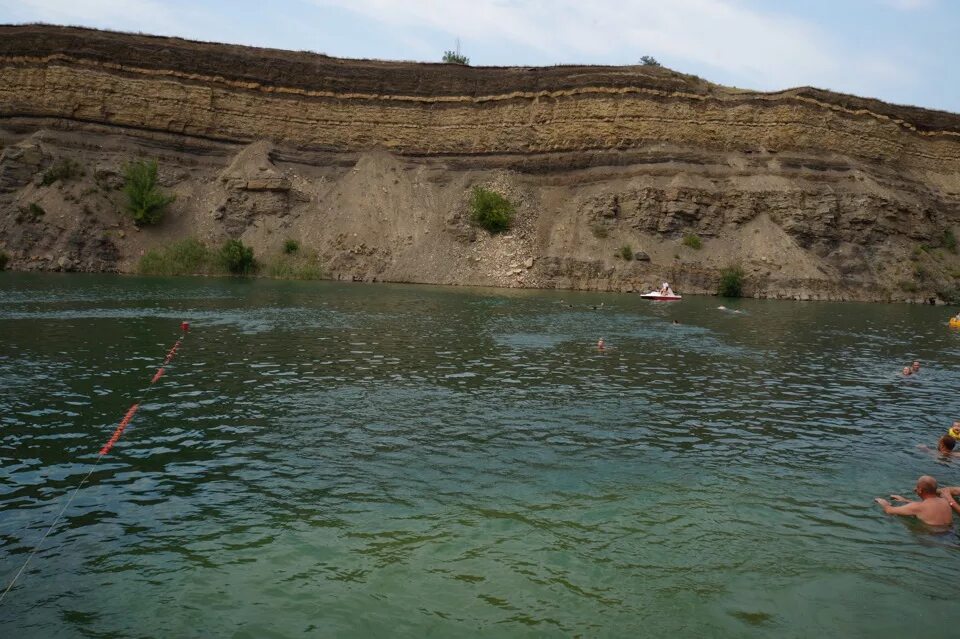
[798, 297]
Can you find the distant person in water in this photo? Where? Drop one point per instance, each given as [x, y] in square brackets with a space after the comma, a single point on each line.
[954, 431]
[932, 509]
[676, 323]
[916, 366]
[945, 446]
[601, 345]
[907, 371]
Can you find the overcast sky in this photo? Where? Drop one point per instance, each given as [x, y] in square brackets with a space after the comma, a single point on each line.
[903, 51]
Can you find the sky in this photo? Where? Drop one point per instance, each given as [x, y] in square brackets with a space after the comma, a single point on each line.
[901, 51]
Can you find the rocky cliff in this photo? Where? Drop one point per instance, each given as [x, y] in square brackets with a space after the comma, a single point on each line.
[369, 165]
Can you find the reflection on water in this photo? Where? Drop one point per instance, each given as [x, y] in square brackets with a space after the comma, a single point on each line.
[411, 461]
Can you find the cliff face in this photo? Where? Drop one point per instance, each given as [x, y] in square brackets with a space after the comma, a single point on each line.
[370, 164]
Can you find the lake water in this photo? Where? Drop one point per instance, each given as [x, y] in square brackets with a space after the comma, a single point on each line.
[361, 460]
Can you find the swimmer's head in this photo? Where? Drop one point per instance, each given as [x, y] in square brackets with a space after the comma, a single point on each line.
[926, 485]
[600, 343]
[916, 365]
[946, 444]
[907, 370]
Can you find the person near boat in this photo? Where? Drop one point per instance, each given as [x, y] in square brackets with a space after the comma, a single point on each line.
[666, 291]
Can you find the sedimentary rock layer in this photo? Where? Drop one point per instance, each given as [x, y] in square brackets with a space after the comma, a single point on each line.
[847, 188]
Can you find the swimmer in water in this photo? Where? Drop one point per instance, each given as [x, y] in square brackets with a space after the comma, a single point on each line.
[945, 446]
[916, 366]
[601, 345]
[932, 509]
[954, 431]
[907, 371]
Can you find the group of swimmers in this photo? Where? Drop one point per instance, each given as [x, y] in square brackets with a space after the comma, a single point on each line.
[936, 506]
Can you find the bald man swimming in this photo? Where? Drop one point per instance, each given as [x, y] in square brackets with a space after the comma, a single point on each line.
[932, 509]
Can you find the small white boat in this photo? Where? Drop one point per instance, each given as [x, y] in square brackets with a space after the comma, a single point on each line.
[657, 296]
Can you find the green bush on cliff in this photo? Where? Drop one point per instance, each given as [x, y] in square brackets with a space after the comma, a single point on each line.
[490, 210]
[731, 282]
[291, 246]
[237, 257]
[626, 252]
[145, 201]
[294, 267]
[693, 241]
[186, 257]
[950, 241]
[4, 258]
[63, 169]
[455, 57]
[31, 213]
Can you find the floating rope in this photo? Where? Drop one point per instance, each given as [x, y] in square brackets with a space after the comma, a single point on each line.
[127, 418]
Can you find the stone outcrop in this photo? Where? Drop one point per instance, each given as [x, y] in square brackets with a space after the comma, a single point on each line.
[370, 164]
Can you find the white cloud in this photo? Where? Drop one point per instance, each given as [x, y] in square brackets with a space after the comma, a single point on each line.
[123, 15]
[910, 5]
[748, 44]
[760, 49]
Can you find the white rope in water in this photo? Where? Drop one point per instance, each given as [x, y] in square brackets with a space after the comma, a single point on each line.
[50, 529]
[103, 451]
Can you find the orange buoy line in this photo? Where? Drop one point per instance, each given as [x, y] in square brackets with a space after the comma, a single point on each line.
[127, 418]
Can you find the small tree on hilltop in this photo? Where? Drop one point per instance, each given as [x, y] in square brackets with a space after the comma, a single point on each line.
[649, 61]
[455, 57]
[145, 202]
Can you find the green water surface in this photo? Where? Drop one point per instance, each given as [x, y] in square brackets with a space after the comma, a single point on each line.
[338, 460]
